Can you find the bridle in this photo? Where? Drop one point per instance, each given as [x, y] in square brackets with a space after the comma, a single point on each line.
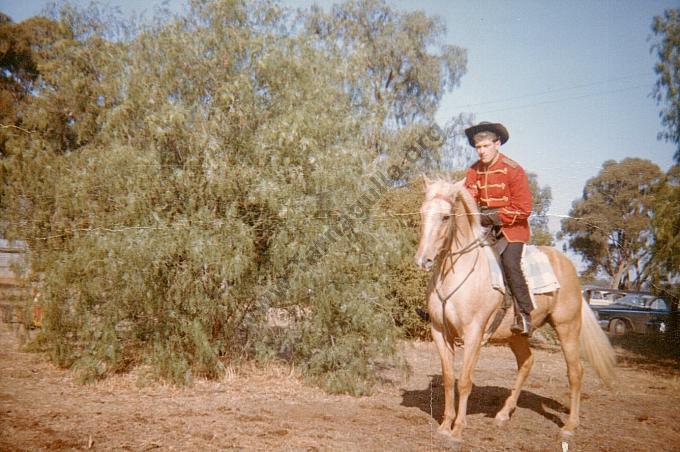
[473, 245]
[489, 239]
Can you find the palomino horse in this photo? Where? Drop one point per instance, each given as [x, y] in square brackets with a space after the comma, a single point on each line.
[462, 303]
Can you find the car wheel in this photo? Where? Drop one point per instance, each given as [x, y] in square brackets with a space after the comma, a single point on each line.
[618, 327]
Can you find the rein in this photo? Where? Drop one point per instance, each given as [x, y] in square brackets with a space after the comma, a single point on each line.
[487, 240]
[473, 245]
[445, 299]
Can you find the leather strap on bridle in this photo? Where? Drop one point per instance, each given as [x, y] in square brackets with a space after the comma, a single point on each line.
[445, 299]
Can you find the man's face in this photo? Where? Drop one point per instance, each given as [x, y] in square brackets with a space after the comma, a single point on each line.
[487, 149]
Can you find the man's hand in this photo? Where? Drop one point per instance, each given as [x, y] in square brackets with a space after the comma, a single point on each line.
[489, 217]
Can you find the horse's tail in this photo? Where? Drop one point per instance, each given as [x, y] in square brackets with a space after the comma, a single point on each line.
[595, 345]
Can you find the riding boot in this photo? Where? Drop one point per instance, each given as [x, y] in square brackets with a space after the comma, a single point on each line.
[522, 325]
[511, 259]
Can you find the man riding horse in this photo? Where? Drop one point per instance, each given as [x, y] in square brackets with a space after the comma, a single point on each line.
[500, 187]
[462, 300]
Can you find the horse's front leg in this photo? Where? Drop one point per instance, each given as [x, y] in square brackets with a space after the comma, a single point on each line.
[473, 343]
[446, 354]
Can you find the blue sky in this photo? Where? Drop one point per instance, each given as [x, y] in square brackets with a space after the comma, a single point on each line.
[570, 79]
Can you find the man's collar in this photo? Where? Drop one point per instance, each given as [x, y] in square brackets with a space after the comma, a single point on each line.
[495, 159]
[493, 162]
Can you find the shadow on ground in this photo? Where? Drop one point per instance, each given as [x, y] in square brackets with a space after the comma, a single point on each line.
[486, 400]
[654, 353]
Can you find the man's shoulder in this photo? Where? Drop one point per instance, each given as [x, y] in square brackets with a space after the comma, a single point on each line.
[507, 161]
[510, 162]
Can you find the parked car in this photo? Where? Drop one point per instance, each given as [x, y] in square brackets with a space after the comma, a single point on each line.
[634, 313]
[596, 296]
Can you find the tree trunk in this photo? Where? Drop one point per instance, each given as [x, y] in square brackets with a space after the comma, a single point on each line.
[618, 277]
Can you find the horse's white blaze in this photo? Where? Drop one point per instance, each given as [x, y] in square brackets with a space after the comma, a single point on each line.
[433, 232]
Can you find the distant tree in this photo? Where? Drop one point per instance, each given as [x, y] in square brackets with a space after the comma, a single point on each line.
[666, 30]
[610, 227]
[24, 47]
[541, 199]
[666, 221]
[666, 251]
[666, 224]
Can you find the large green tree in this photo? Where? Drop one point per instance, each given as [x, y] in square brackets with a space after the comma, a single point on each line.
[666, 30]
[170, 189]
[541, 199]
[610, 226]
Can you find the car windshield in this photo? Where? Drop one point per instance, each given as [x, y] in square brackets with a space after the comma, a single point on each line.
[631, 300]
[659, 305]
[643, 301]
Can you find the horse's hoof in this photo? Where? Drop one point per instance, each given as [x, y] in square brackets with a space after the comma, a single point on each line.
[445, 427]
[457, 434]
[458, 439]
[444, 430]
[501, 420]
[454, 443]
[566, 434]
[444, 435]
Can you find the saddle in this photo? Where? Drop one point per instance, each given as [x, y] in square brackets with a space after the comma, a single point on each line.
[537, 270]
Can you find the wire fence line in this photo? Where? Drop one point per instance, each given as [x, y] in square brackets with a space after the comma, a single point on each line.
[194, 224]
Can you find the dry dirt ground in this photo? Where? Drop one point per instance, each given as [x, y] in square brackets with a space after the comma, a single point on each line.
[42, 407]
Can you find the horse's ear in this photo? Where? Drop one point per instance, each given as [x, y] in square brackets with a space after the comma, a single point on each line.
[427, 181]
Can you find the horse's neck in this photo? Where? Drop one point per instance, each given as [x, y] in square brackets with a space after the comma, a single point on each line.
[462, 237]
[464, 233]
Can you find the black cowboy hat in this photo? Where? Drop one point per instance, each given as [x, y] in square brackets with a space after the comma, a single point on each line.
[497, 128]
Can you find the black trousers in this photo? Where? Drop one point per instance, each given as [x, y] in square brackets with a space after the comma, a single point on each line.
[511, 257]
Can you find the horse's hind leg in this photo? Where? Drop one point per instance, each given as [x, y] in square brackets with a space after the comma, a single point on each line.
[446, 355]
[569, 340]
[525, 360]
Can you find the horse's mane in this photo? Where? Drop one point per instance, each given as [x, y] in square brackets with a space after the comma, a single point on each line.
[458, 193]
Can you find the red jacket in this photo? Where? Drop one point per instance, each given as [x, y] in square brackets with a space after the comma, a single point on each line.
[503, 184]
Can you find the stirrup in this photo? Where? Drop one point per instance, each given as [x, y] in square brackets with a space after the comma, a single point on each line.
[522, 325]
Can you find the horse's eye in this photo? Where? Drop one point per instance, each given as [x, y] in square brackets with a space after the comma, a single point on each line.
[446, 217]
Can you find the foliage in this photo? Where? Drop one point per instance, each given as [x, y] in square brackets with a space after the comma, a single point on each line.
[23, 48]
[397, 71]
[666, 225]
[666, 220]
[175, 173]
[408, 288]
[541, 198]
[610, 227]
[666, 30]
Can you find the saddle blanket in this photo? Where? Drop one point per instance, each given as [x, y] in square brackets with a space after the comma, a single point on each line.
[535, 265]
